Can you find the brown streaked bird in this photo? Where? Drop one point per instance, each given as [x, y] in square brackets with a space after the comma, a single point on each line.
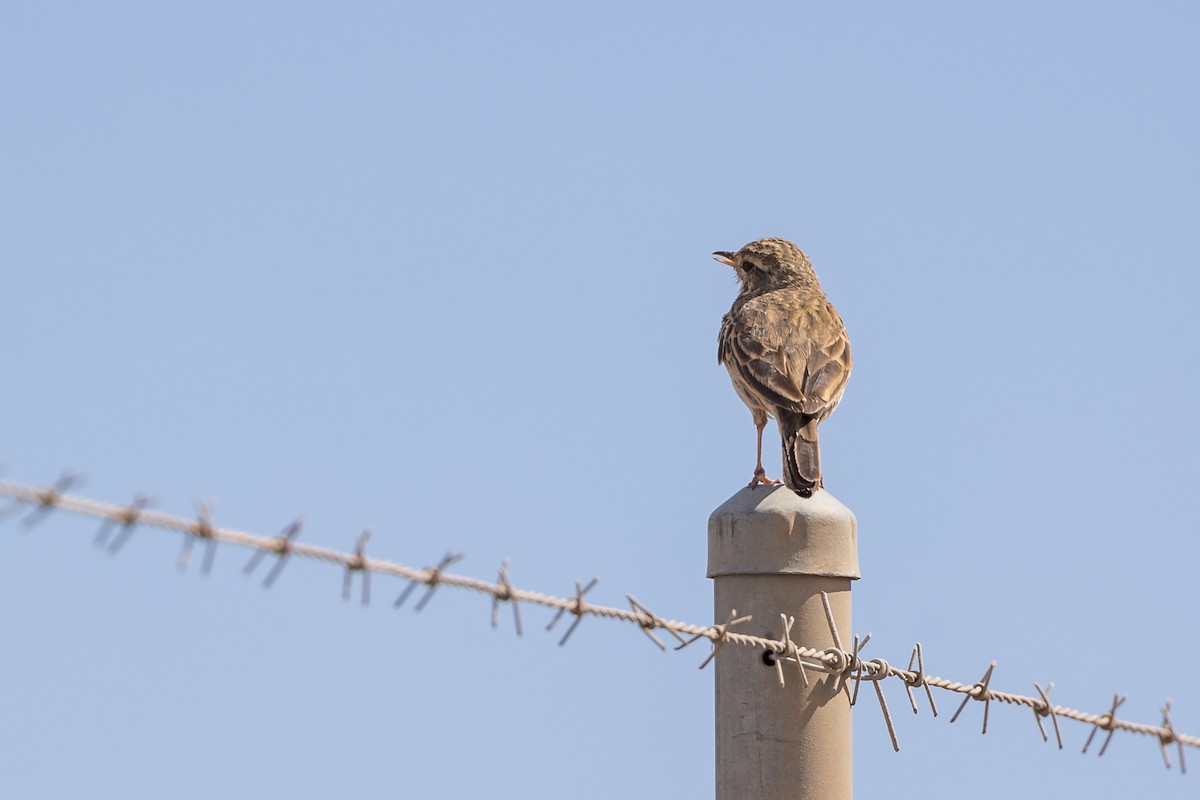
[787, 353]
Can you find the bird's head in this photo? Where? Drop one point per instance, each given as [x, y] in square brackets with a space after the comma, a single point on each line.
[768, 263]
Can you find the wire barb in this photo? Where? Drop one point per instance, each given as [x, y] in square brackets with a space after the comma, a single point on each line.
[838, 661]
[791, 651]
[44, 499]
[202, 528]
[505, 595]
[918, 679]
[358, 563]
[650, 622]
[979, 692]
[1107, 722]
[282, 546]
[127, 522]
[577, 607]
[837, 640]
[880, 669]
[1167, 737]
[1046, 709]
[722, 635]
[431, 577]
[856, 666]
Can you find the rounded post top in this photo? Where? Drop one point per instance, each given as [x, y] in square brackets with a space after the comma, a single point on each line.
[771, 530]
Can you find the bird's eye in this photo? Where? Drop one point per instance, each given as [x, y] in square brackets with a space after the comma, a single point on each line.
[748, 265]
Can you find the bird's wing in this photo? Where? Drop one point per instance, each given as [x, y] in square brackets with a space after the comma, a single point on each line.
[829, 363]
[725, 338]
[794, 358]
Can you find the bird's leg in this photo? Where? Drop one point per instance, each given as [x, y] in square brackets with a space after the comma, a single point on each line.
[760, 475]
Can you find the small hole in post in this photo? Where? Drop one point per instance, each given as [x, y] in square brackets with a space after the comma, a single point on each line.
[768, 658]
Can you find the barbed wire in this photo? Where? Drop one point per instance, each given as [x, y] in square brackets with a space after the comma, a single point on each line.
[845, 664]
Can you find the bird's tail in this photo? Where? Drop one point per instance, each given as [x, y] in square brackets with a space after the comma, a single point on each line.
[801, 455]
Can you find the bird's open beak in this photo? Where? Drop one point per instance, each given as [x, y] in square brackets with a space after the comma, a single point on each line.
[724, 257]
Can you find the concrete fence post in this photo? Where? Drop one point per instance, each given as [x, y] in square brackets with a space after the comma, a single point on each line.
[772, 552]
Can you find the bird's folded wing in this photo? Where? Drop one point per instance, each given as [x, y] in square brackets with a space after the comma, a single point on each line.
[826, 373]
[802, 367]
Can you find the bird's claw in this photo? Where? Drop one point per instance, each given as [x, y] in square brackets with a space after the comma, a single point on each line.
[760, 476]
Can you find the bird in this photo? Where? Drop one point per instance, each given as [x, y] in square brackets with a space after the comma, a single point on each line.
[787, 353]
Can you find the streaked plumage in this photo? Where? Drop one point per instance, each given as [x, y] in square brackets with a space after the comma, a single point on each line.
[786, 351]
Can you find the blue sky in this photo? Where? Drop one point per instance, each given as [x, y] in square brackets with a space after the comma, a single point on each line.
[445, 272]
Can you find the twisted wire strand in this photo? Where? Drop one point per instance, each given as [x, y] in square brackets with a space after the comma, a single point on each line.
[824, 660]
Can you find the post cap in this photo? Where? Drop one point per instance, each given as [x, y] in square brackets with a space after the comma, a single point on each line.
[772, 530]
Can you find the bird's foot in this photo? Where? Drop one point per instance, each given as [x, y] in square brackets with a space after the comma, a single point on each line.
[760, 476]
